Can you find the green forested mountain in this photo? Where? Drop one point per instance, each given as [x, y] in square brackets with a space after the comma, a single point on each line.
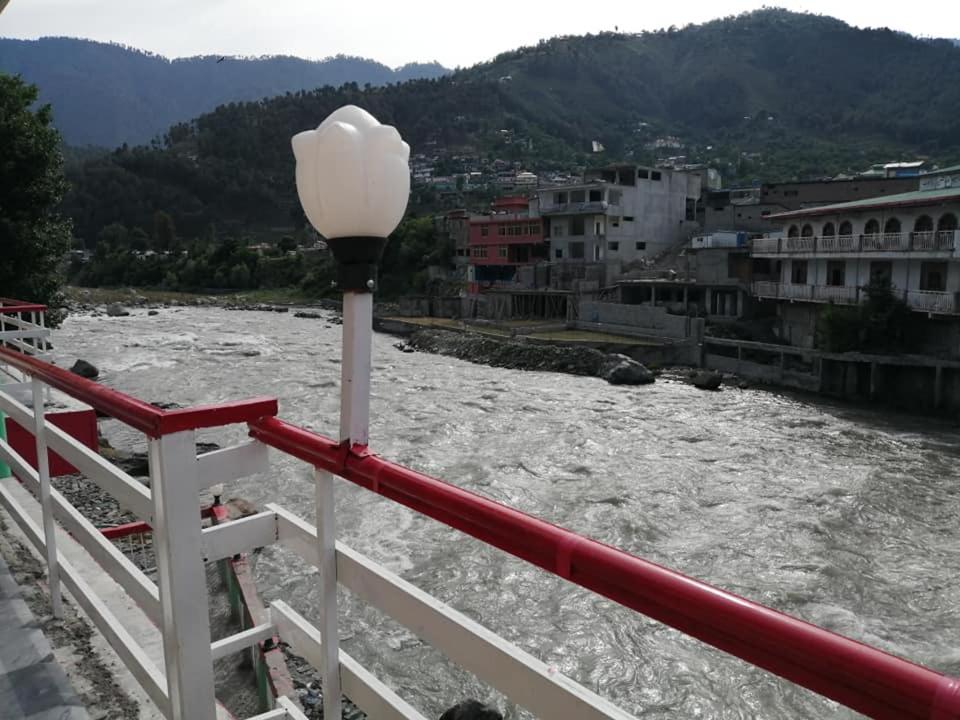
[107, 95]
[767, 95]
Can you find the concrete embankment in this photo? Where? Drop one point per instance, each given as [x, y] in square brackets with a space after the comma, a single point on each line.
[517, 355]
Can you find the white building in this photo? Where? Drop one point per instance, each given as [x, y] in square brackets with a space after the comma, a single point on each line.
[828, 254]
[622, 214]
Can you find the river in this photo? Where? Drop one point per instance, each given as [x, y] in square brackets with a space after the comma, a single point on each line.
[840, 515]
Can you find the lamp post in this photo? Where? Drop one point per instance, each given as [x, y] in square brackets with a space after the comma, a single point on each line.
[353, 179]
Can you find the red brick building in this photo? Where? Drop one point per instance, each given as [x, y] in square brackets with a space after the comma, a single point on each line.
[501, 243]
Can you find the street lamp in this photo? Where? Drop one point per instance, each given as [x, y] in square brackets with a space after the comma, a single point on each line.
[353, 179]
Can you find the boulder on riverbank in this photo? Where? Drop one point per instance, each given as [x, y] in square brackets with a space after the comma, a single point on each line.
[706, 380]
[85, 370]
[117, 310]
[622, 370]
[516, 355]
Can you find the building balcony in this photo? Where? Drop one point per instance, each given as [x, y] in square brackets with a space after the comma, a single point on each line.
[575, 208]
[928, 301]
[944, 242]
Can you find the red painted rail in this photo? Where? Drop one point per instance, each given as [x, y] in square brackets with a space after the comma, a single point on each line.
[9, 306]
[137, 414]
[861, 677]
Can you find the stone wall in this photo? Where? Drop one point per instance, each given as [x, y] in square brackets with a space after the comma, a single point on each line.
[639, 320]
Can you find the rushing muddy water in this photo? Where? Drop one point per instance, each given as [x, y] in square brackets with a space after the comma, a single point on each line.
[844, 516]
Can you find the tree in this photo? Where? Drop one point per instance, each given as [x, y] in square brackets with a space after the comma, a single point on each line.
[164, 233]
[33, 237]
[287, 244]
[239, 276]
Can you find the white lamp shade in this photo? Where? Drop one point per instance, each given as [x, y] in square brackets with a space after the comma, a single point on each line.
[353, 175]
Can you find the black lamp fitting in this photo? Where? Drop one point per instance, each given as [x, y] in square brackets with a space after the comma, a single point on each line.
[357, 259]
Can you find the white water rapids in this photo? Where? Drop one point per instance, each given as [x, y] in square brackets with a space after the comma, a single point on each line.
[843, 516]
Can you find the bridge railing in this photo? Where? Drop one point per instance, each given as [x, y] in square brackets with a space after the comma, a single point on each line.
[866, 679]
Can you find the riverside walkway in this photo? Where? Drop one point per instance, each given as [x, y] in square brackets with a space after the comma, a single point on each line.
[33, 686]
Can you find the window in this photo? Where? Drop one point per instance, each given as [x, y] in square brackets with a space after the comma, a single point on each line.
[924, 223]
[807, 230]
[798, 272]
[560, 198]
[933, 276]
[829, 230]
[655, 175]
[691, 210]
[614, 196]
[502, 251]
[596, 252]
[846, 228]
[891, 226]
[576, 251]
[576, 226]
[947, 222]
[484, 231]
[613, 246]
[836, 272]
[615, 221]
[794, 231]
[480, 252]
[596, 196]
[628, 218]
[641, 245]
[643, 173]
[872, 227]
[556, 229]
[881, 272]
[578, 196]
[502, 230]
[558, 253]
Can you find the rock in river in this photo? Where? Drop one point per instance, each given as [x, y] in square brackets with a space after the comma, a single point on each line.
[622, 370]
[706, 380]
[85, 370]
[117, 310]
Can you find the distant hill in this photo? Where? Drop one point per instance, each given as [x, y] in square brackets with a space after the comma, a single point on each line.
[769, 95]
[106, 95]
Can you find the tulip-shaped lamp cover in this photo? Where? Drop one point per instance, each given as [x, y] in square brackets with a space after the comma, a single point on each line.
[353, 179]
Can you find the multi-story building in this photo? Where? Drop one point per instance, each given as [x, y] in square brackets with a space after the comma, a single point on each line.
[455, 226]
[752, 209]
[620, 214]
[505, 245]
[828, 254]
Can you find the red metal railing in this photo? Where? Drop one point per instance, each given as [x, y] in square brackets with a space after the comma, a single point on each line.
[868, 680]
[146, 418]
[10, 306]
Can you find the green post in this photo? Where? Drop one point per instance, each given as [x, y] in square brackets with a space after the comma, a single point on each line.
[4, 468]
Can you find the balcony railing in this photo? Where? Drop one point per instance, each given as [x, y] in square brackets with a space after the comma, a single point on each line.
[837, 294]
[800, 244]
[929, 301]
[942, 241]
[886, 242]
[933, 302]
[838, 243]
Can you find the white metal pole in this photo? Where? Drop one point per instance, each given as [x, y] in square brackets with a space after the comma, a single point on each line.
[49, 524]
[355, 367]
[183, 581]
[327, 565]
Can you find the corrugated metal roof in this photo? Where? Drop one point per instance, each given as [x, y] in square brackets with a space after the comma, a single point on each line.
[916, 198]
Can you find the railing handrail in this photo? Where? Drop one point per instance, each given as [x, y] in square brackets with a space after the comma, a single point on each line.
[146, 418]
[10, 305]
[845, 670]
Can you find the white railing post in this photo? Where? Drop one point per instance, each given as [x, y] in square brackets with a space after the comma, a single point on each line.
[354, 429]
[183, 582]
[43, 471]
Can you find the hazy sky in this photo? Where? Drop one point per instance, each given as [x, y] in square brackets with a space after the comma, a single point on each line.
[454, 32]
